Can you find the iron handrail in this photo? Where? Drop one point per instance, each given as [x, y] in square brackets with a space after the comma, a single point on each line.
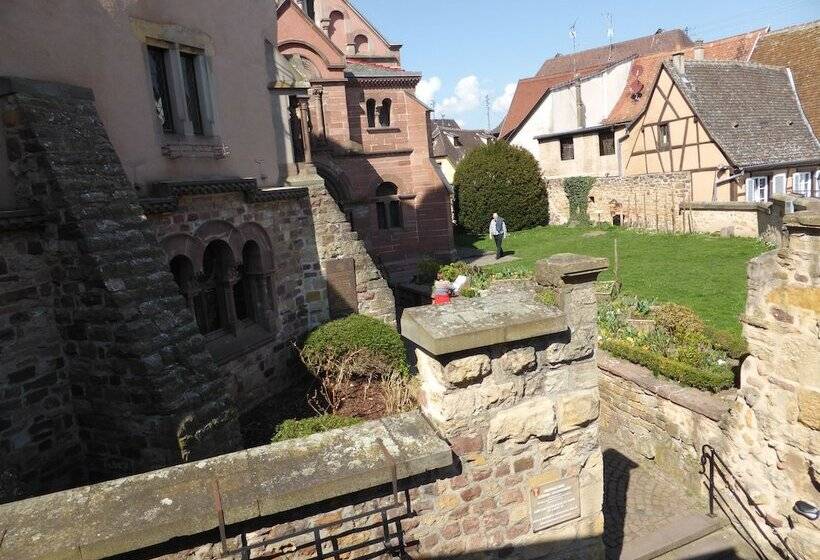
[709, 455]
[244, 551]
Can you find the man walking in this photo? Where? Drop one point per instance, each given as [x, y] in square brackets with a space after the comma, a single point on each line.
[498, 231]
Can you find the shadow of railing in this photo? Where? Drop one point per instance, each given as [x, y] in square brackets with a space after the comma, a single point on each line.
[712, 465]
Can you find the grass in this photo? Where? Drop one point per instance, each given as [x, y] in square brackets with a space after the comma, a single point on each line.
[706, 273]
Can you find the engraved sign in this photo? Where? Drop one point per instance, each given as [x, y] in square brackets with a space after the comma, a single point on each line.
[554, 503]
[341, 287]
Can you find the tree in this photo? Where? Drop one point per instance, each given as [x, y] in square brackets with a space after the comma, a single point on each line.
[500, 178]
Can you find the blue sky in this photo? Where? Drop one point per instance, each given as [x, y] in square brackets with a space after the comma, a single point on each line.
[469, 49]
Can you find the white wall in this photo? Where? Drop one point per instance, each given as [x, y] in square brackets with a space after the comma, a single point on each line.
[557, 112]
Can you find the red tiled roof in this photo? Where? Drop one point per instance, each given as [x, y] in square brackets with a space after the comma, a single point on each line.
[531, 90]
[660, 41]
[645, 70]
[797, 48]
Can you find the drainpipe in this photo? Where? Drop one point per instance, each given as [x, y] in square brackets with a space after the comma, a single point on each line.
[580, 110]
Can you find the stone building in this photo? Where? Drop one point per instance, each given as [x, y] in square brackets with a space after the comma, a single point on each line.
[451, 144]
[369, 134]
[164, 237]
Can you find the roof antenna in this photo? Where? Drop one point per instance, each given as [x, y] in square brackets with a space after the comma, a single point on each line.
[610, 31]
[574, 35]
[487, 104]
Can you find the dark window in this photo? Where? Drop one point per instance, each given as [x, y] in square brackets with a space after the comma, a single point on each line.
[296, 137]
[457, 142]
[240, 296]
[663, 136]
[191, 91]
[567, 148]
[606, 142]
[384, 113]
[388, 212]
[309, 9]
[211, 305]
[159, 84]
[371, 113]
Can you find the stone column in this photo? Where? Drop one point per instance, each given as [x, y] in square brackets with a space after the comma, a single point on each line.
[304, 113]
[505, 381]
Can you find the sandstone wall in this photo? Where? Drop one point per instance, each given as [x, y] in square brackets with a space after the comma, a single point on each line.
[766, 433]
[144, 391]
[649, 201]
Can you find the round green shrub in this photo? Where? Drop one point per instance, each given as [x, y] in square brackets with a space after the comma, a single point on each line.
[292, 428]
[678, 320]
[354, 333]
[500, 178]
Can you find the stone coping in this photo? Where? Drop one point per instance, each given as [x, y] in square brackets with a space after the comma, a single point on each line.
[468, 323]
[118, 516]
[737, 205]
[700, 402]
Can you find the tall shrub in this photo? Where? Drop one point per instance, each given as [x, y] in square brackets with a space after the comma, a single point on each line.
[500, 178]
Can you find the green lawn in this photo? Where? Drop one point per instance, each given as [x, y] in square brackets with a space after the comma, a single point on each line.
[706, 273]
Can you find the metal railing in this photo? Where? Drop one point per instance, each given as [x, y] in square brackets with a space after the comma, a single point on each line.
[709, 457]
[391, 539]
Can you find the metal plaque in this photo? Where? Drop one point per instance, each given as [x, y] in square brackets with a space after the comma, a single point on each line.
[555, 503]
[341, 287]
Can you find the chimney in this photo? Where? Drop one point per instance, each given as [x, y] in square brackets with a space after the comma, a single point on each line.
[677, 62]
[581, 111]
[698, 52]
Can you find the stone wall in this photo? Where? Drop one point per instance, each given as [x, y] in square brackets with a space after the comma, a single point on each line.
[766, 433]
[741, 219]
[143, 389]
[651, 201]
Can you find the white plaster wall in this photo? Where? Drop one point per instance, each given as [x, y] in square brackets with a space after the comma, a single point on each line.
[557, 112]
[91, 43]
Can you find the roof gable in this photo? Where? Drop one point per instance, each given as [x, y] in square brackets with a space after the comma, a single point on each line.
[750, 110]
[295, 29]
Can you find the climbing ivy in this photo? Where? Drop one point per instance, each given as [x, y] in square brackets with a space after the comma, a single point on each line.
[577, 189]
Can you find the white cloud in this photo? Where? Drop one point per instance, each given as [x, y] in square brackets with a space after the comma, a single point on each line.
[466, 97]
[426, 89]
[502, 103]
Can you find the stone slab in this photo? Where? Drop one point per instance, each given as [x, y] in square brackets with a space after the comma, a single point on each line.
[684, 530]
[127, 514]
[565, 266]
[697, 401]
[468, 323]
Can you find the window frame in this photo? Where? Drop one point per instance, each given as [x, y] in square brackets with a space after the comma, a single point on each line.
[370, 112]
[566, 141]
[753, 188]
[775, 178]
[163, 76]
[193, 99]
[664, 136]
[609, 134]
[809, 186]
[384, 112]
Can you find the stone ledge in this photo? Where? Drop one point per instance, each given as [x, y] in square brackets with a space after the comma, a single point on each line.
[738, 205]
[466, 323]
[128, 514]
[697, 401]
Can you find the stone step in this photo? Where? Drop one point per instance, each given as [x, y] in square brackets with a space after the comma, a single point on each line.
[685, 530]
[725, 544]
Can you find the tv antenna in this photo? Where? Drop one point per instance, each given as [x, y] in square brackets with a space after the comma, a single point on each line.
[610, 30]
[574, 35]
[487, 105]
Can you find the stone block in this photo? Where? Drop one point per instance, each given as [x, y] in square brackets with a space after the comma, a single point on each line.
[808, 403]
[518, 361]
[464, 371]
[559, 268]
[577, 409]
[533, 418]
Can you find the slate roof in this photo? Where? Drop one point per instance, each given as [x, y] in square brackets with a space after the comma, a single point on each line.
[797, 48]
[660, 41]
[750, 110]
[645, 70]
[443, 146]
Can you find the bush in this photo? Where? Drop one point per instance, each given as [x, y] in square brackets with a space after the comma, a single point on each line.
[292, 429]
[733, 344]
[577, 191]
[504, 179]
[678, 320]
[356, 333]
[426, 270]
[700, 378]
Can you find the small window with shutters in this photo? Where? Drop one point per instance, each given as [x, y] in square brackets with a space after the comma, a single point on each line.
[817, 183]
[606, 143]
[757, 189]
[801, 184]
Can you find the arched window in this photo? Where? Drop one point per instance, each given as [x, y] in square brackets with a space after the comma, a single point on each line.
[371, 113]
[252, 285]
[384, 113]
[361, 45]
[336, 25]
[388, 207]
[212, 306]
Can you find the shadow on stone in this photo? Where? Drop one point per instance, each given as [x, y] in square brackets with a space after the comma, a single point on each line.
[617, 468]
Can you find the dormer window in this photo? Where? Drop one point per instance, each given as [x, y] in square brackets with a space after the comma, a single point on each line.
[457, 142]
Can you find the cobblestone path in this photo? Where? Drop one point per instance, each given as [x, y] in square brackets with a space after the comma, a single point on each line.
[637, 501]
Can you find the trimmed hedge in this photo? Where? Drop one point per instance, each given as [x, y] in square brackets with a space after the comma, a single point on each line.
[500, 178]
[341, 337]
[292, 429]
[706, 379]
